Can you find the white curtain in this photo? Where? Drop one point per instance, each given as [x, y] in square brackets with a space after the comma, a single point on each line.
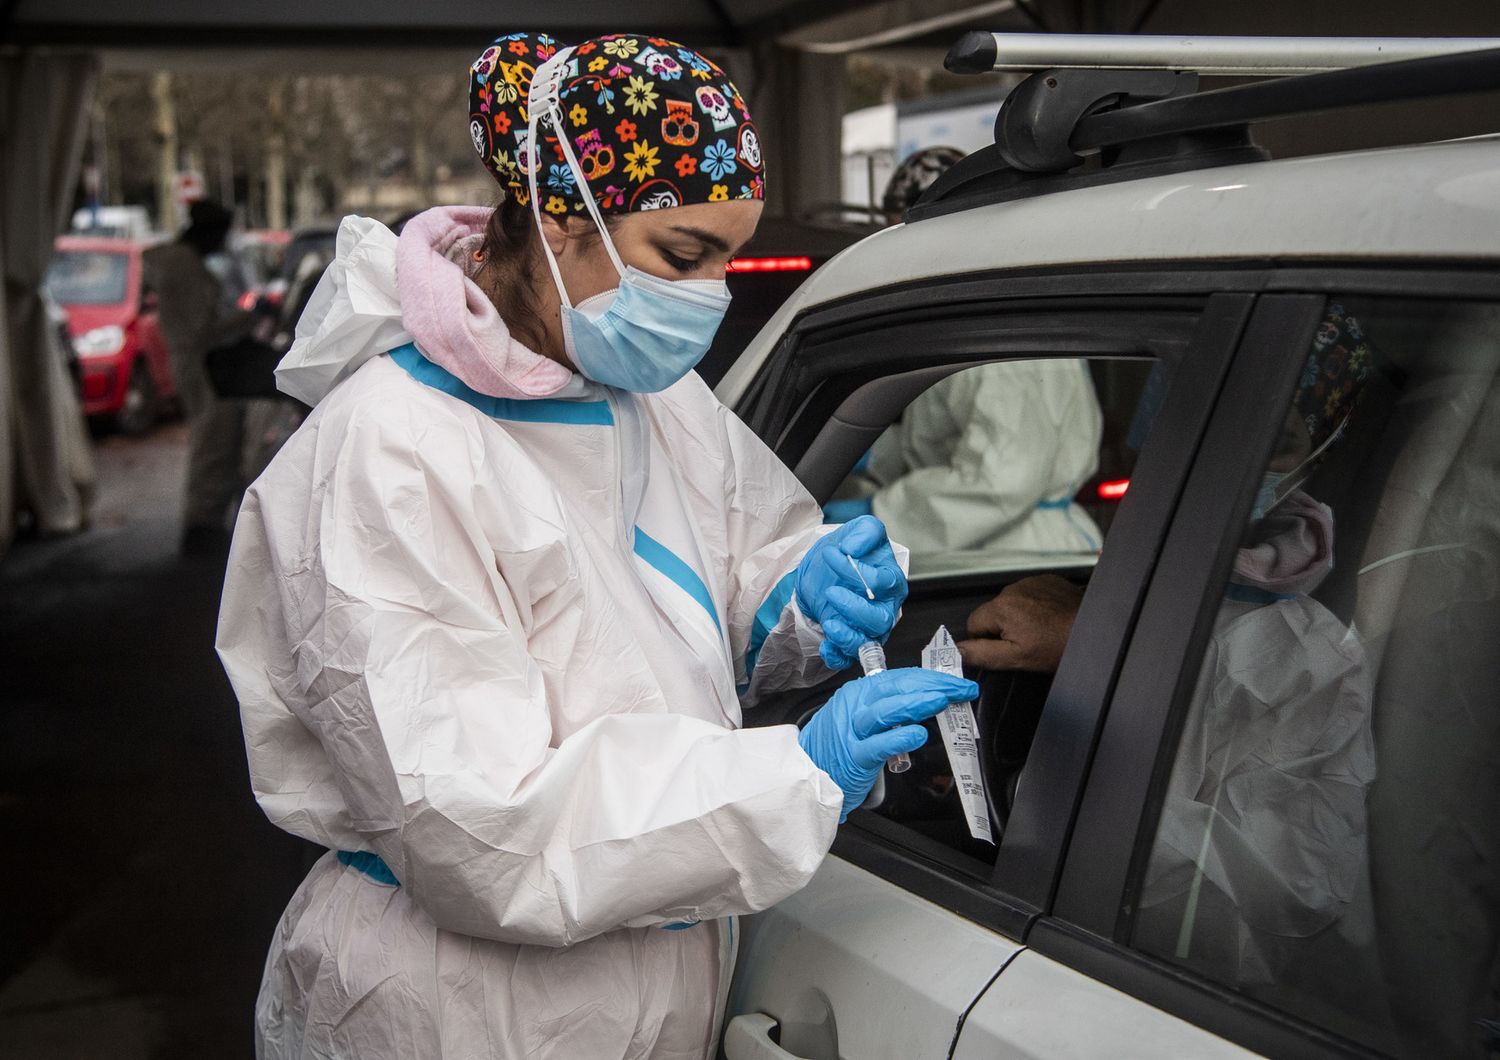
[45, 460]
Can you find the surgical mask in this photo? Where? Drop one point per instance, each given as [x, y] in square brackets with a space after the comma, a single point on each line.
[1277, 486]
[1265, 497]
[645, 334]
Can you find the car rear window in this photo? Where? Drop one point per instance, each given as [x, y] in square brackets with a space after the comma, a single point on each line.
[1325, 842]
[88, 277]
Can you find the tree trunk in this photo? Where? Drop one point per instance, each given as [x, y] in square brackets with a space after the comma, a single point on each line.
[276, 157]
[166, 138]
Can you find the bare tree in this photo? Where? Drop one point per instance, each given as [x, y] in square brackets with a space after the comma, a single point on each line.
[302, 142]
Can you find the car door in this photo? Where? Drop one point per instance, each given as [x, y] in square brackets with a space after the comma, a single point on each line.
[1052, 999]
[1286, 835]
[887, 950]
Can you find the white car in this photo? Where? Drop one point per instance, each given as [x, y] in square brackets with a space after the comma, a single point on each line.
[1257, 806]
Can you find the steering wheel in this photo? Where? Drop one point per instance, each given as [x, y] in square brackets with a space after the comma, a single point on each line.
[1010, 705]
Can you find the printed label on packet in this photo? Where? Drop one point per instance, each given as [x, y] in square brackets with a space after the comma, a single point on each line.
[960, 737]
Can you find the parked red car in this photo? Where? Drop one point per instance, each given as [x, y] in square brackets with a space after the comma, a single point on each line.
[127, 376]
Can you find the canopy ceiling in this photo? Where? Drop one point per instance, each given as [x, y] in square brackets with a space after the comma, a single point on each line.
[326, 24]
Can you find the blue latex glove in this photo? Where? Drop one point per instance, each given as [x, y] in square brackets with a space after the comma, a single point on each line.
[875, 718]
[830, 594]
[845, 510]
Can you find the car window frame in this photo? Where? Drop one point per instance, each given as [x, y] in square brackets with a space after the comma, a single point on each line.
[1088, 925]
[781, 400]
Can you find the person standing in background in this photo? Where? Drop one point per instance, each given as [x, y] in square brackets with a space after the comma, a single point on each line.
[192, 321]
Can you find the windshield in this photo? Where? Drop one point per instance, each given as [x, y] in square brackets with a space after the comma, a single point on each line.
[88, 277]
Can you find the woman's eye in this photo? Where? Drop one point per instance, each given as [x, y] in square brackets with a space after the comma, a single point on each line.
[680, 264]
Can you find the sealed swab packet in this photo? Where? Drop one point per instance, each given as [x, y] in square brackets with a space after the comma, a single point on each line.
[960, 737]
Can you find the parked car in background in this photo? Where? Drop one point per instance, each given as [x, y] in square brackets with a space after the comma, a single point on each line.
[126, 373]
[306, 254]
[239, 286]
[113, 222]
[264, 251]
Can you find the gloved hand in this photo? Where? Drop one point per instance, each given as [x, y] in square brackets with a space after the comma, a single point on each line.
[875, 718]
[845, 510]
[830, 593]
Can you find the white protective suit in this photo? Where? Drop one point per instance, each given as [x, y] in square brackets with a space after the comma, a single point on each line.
[489, 648]
[1261, 860]
[989, 459]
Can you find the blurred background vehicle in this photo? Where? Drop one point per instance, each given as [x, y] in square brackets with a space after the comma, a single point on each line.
[119, 222]
[305, 255]
[126, 375]
[262, 250]
[237, 277]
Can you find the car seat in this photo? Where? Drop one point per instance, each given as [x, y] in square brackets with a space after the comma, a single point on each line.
[1428, 611]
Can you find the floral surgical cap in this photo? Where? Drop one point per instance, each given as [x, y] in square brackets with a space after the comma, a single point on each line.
[653, 125]
[1334, 377]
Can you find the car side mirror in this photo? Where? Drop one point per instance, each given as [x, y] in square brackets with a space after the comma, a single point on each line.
[148, 301]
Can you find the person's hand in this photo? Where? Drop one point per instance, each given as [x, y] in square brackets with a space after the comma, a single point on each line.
[875, 718]
[831, 594]
[1026, 627]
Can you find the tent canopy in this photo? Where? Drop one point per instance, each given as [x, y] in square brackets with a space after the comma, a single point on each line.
[458, 23]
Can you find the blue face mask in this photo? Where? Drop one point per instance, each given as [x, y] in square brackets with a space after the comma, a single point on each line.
[647, 333]
[1265, 497]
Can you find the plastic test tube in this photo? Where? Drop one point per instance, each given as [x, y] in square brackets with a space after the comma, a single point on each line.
[872, 661]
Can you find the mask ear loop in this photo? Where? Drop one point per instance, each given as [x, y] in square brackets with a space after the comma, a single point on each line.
[1298, 475]
[542, 101]
[588, 198]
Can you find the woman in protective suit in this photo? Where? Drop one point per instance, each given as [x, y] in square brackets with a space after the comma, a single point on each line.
[493, 610]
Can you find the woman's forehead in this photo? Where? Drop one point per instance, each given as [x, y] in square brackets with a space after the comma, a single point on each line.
[719, 226]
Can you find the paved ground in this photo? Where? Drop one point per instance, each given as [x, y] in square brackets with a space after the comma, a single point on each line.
[140, 883]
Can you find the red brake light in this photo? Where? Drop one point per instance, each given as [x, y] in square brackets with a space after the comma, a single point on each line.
[247, 301]
[1113, 491]
[770, 265]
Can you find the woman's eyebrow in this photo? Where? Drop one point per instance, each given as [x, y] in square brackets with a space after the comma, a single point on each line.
[706, 238]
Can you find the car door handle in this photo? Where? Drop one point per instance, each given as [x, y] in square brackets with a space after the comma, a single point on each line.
[748, 1037]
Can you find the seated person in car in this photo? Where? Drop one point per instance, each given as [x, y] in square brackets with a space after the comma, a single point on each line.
[1263, 839]
[987, 459]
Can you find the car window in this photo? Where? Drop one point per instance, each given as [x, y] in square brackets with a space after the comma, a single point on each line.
[230, 273]
[1008, 466]
[88, 277]
[1005, 476]
[1326, 839]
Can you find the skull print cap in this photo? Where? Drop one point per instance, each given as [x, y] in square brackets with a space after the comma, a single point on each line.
[1334, 376]
[652, 123]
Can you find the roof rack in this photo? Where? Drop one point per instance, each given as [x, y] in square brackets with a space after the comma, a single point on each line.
[978, 53]
[1132, 105]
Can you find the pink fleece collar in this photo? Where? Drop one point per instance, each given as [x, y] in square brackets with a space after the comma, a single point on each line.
[452, 321]
[1293, 549]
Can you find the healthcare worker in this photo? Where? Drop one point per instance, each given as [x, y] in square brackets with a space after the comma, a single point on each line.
[988, 460]
[492, 612]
